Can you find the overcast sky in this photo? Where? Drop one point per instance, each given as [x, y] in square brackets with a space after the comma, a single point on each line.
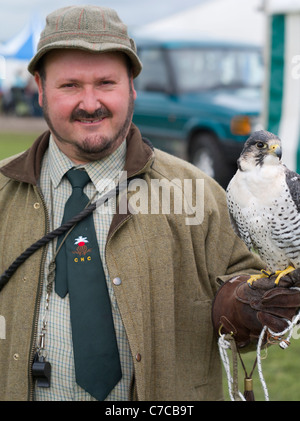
[15, 13]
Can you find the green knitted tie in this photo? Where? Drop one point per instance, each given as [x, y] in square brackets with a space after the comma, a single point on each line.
[79, 271]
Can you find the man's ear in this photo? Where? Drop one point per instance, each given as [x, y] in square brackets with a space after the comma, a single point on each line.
[132, 87]
[39, 83]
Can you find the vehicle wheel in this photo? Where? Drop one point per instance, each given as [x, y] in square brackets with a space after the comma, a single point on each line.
[206, 154]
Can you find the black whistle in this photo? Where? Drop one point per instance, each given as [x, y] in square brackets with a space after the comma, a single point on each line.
[41, 371]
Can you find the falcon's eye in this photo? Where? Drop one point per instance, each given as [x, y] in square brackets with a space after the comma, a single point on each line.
[261, 145]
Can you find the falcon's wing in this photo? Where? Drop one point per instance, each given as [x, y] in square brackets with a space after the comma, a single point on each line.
[234, 225]
[293, 182]
[242, 232]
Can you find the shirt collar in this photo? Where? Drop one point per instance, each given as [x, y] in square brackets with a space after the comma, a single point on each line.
[99, 171]
[58, 163]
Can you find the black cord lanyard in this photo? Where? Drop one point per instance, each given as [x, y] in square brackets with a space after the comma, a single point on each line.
[5, 277]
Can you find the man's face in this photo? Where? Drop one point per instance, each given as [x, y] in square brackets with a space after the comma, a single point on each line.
[88, 102]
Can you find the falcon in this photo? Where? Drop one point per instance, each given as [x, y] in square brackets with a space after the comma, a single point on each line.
[264, 204]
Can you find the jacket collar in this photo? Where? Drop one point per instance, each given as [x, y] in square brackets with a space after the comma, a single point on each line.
[27, 166]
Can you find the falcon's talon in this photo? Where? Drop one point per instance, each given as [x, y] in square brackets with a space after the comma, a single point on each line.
[254, 278]
[282, 273]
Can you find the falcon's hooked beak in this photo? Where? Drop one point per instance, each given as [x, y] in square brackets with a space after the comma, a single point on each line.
[276, 150]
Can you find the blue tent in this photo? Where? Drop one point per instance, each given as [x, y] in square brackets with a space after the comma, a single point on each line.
[23, 45]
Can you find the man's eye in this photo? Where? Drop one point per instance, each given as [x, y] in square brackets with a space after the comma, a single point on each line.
[106, 82]
[69, 85]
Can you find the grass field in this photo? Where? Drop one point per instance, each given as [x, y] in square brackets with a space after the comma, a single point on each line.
[12, 143]
[281, 371]
[281, 368]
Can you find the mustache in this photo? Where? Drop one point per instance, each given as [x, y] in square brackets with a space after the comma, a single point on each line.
[80, 114]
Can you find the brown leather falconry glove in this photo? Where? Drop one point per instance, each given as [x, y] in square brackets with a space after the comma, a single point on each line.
[243, 310]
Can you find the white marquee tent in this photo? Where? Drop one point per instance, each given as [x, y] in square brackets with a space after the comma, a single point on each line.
[226, 19]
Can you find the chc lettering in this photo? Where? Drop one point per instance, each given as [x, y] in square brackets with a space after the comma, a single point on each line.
[82, 259]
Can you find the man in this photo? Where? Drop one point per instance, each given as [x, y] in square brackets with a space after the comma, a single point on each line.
[160, 271]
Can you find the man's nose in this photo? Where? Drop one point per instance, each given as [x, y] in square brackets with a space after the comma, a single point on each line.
[90, 100]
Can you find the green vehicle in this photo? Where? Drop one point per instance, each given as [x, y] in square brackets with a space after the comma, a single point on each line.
[200, 100]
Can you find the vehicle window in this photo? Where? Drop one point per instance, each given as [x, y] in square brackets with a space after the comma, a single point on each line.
[203, 69]
[154, 76]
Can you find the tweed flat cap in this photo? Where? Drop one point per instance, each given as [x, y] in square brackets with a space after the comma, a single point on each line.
[89, 28]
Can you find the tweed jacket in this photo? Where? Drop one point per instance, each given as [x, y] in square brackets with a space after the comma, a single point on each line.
[168, 271]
